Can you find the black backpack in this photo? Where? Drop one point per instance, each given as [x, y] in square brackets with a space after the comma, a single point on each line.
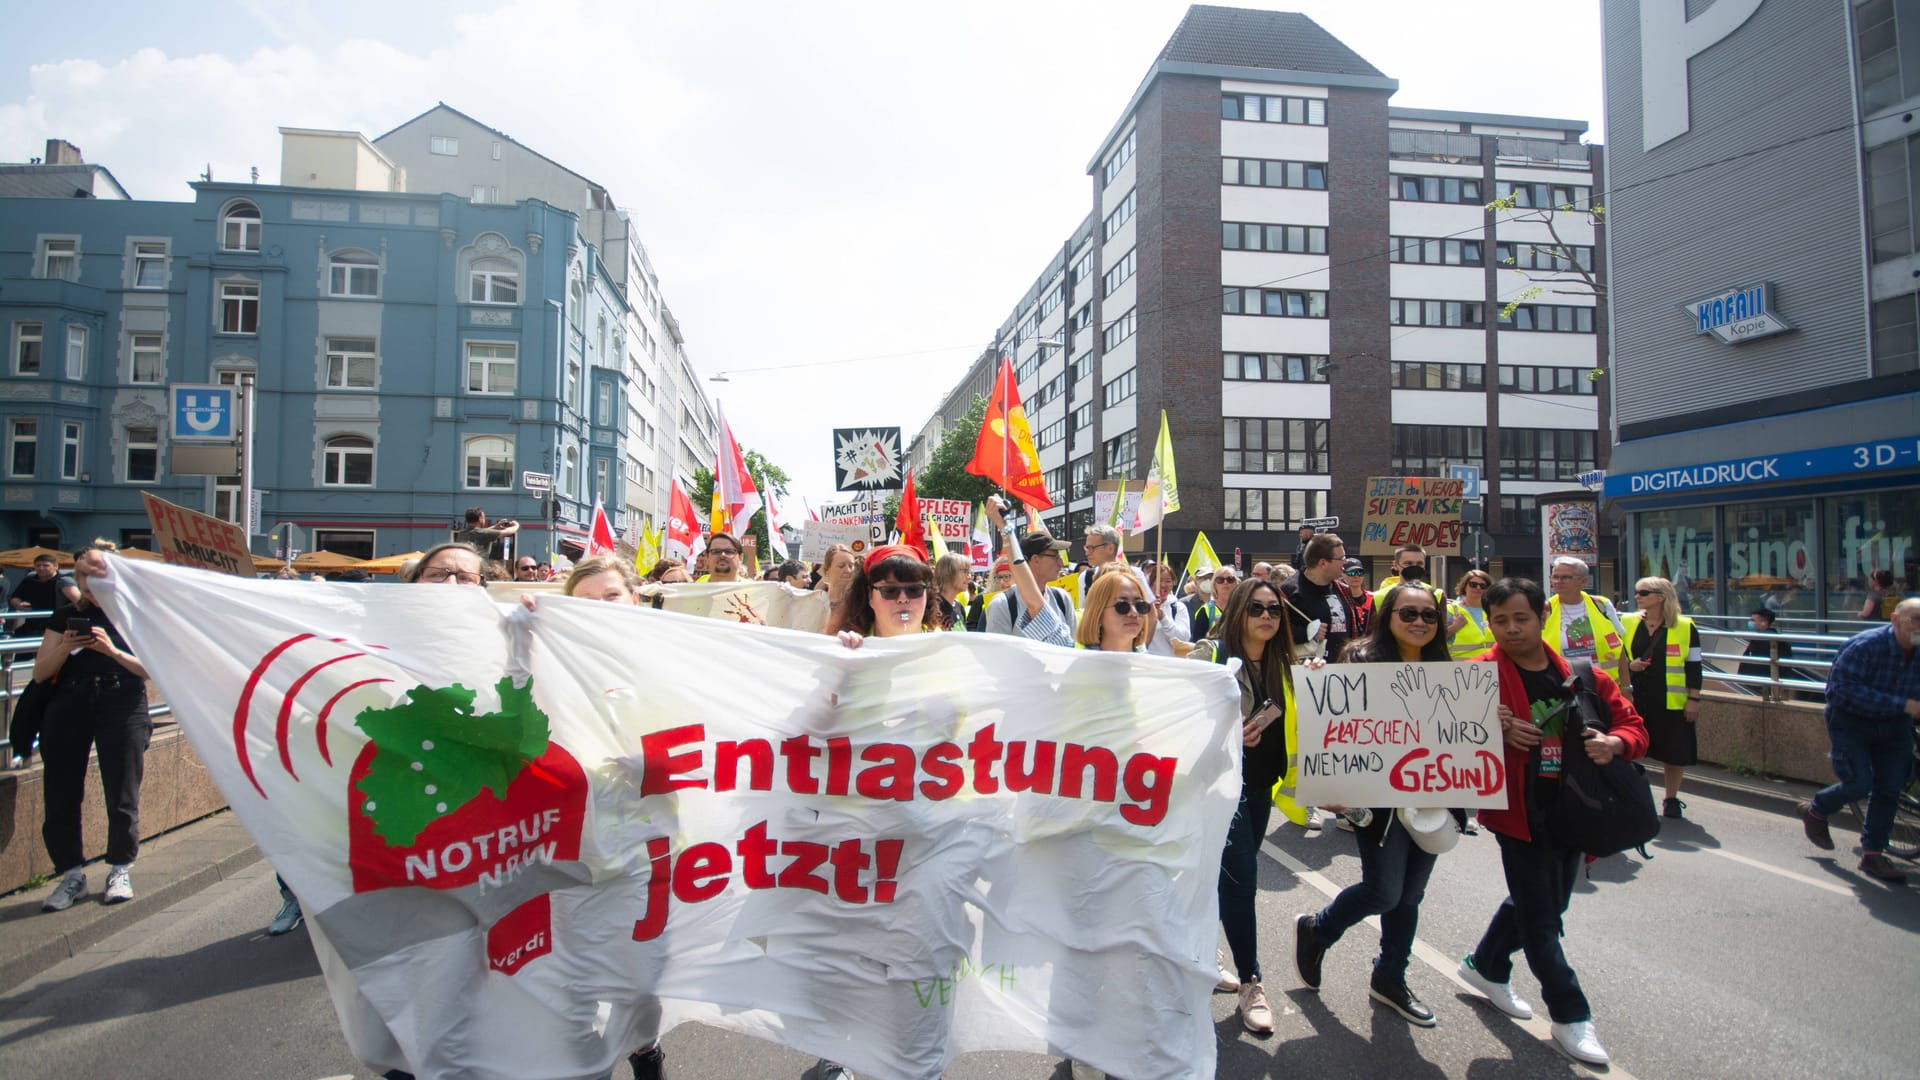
[1600, 809]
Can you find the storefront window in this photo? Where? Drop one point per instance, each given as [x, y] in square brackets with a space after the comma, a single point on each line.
[1678, 545]
[1770, 556]
[1865, 533]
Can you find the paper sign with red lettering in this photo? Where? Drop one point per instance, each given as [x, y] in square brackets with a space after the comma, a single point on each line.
[530, 841]
[1380, 735]
[1402, 510]
[951, 516]
[190, 538]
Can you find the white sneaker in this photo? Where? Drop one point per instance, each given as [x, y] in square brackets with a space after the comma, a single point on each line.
[1501, 994]
[1229, 982]
[71, 886]
[1083, 1071]
[1578, 1042]
[1255, 1013]
[119, 884]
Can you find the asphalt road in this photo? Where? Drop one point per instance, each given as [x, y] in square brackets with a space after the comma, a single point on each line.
[1738, 951]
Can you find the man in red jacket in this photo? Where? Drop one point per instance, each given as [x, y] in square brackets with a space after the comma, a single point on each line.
[1536, 704]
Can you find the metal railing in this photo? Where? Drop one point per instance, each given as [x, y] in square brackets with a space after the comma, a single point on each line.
[1801, 676]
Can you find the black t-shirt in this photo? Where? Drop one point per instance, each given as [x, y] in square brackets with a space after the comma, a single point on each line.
[1322, 602]
[87, 662]
[48, 595]
[1552, 709]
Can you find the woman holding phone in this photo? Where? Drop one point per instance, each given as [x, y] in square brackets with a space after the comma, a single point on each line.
[1393, 868]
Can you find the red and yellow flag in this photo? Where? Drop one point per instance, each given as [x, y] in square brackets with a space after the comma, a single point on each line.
[1005, 452]
[910, 521]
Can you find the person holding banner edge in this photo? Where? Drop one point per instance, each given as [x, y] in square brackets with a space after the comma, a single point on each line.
[1394, 863]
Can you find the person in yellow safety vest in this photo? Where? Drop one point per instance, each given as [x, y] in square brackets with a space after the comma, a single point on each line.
[1410, 565]
[1663, 650]
[1581, 625]
[1473, 636]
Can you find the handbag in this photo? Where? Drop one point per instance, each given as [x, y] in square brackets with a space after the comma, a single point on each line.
[1600, 809]
[29, 712]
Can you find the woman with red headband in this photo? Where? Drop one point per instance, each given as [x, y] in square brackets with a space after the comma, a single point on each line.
[888, 596]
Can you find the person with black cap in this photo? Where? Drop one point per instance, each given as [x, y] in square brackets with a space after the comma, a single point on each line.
[1043, 612]
[1361, 600]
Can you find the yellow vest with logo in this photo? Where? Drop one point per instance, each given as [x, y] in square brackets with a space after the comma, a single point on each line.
[1674, 663]
[1473, 638]
[1606, 641]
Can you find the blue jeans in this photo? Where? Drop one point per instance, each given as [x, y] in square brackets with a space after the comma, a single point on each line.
[1393, 878]
[1240, 876]
[1872, 760]
[1539, 884]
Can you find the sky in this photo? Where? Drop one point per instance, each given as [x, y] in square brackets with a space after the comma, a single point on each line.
[843, 200]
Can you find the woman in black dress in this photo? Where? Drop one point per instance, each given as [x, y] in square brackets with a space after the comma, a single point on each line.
[1663, 650]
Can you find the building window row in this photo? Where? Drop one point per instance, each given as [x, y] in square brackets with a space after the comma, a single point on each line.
[1259, 236]
[1274, 110]
[1893, 175]
[1551, 318]
[1120, 329]
[1545, 453]
[1271, 445]
[1120, 214]
[1052, 301]
[1122, 270]
[1272, 509]
[1122, 455]
[1080, 368]
[1281, 303]
[1117, 389]
[1427, 449]
[1433, 251]
[1054, 388]
[1462, 314]
[1258, 172]
[1274, 367]
[1120, 157]
[1415, 375]
[1082, 270]
[1435, 189]
[1539, 195]
[1050, 434]
[1565, 258]
[1540, 379]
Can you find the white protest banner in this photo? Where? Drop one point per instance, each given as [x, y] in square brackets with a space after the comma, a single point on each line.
[855, 512]
[763, 603]
[528, 842]
[951, 516]
[817, 536]
[1392, 735]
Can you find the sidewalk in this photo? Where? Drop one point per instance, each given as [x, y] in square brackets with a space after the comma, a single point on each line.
[1776, 796]
[171, 867]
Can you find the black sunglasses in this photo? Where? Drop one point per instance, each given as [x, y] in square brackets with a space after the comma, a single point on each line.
[896, 592]
[1645, 592]
[1257, 610]
[529, 566]
[1478, 584]
[1132, 607]
[1418, 614]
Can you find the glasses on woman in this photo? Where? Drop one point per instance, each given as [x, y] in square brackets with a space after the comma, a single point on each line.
[1257, 610]
[1131, 607]
[1418, 614]
[1645, 592]
[1478, 584]
[434, 575]
[900, 592]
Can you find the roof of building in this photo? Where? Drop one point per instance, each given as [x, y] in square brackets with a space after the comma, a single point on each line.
[441, 105]
[1239, 37]
[56, 181]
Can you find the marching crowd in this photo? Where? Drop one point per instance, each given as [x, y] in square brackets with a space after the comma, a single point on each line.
[1580, 689]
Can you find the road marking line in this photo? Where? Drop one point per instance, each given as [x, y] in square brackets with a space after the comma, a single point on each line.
[1838, 890]
[1447, 966]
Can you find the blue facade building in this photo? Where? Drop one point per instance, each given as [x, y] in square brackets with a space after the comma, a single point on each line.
[412, 355]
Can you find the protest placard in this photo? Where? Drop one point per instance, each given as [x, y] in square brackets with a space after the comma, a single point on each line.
[1400, 735]
[951, 516]
[530, 841]
[1404, 510]
[817, 536]
[190, 538]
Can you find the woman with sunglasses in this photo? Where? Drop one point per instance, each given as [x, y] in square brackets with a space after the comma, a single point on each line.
[1663, 653]
[888, 597]
[1472, 636]
[1393, 869]
[1117, 617]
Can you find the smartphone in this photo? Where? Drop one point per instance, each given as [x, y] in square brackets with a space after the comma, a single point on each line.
[83, 627]
[1266, 714]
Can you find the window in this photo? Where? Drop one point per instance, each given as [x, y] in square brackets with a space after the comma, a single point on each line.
[1083, 318]
[1120, 330]
[570, 472]
[1274, 110]
[1440, 189]
[573, 382]
[1876, 28]
[1539, 195]
[600, 488]
[1250, 236]
[143, 455]
[239, 307]
[1280, 303]
[603, 404]
[1256, 172]
[23, 445]
[76, 351]
[27, 339]
[1120, 157]
[1435, 376]
[149, 264]
[489, 461]
[1565, 258]
[1558, 318]
[444, 145]
[1270, 445]
[1082, 270]
[1121, 455]
[1053, 389]
[1893, 174]
[1082, 418]
[1031, 365]
[1056, 480]
[147, 359]
[1427, 449]
[352, 364]
[1434, 251]
[1117, 389]
[1050, 434]
[492, 366]
[1080, 368]
[1896, 345]
[1520, 514]
[1545, 453]
[226, 498]
[494, 281]
[353, 273]
[1080, 480]
[70, 449]
[347, 461]
[497, 149]
[1272, 509]
[240, 228]
[1538, 379]
[1121, 270]
[1120, 214]
[353, 543]
[1051, 303]
[1274, 367]
[1466, 314]
[60, 259]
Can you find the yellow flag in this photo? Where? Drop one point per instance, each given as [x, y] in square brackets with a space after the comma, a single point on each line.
[1162, 494]
[936, 544]
[1119, 505]
[1203, 559]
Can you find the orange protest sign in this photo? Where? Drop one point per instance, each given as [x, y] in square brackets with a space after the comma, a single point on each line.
[190, 538]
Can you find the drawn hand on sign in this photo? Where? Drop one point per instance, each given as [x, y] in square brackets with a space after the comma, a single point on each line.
[1470, 683]
[1418, 699]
